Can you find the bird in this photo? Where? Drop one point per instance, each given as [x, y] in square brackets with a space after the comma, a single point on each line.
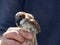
[28, 23]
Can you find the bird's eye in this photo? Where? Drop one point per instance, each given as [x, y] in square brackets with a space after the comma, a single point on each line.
[30, 28]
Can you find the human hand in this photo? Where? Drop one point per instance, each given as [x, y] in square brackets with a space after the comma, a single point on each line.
[15, 36]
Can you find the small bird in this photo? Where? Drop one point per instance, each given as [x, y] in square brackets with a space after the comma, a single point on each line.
[27, 22]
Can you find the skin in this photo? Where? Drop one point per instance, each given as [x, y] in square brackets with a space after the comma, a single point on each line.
[15, 36]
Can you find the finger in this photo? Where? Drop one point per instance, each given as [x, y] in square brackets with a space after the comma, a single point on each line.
[13, 28]
[26, 42]
[26, 34]
[9, 42]
[13, 34]
[22, 32]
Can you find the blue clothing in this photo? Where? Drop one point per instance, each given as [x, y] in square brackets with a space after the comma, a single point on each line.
[46, 12]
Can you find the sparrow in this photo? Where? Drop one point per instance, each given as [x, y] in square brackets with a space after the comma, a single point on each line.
[27, 22]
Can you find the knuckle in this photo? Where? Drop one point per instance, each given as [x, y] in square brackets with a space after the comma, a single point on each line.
[4, 34]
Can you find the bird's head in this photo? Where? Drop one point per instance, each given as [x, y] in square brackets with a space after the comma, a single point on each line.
[26, 19]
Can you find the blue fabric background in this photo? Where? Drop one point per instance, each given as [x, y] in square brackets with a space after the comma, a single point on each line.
[46, 12]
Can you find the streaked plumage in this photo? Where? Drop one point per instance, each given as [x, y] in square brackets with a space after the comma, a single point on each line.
[28, 23]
